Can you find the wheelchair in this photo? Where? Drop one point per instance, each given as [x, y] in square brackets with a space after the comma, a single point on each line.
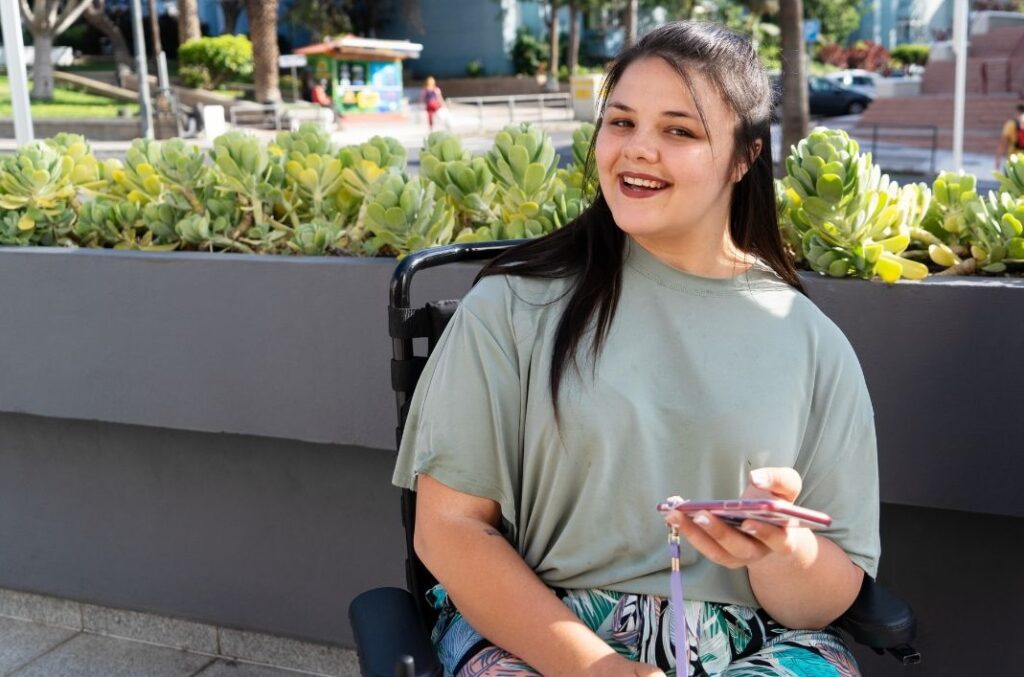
[391, 626]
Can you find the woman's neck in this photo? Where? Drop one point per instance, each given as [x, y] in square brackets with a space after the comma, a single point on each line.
[705, 257]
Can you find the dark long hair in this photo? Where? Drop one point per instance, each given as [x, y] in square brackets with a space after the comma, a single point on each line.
[590, 249]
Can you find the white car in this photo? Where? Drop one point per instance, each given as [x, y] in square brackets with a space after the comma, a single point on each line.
[858, 80]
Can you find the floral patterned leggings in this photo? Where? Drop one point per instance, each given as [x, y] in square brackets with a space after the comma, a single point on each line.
[725, 639]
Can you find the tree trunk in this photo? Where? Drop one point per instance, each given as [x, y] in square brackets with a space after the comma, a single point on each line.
[574, 37]
[42, 66]
[154, 27]
[188, 21]
[96, 16]
[794, 77]
[232, 9]
[263, 32]
[632, 9]
[552, 83]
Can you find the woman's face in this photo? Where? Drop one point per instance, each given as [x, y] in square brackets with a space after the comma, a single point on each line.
[664, 179]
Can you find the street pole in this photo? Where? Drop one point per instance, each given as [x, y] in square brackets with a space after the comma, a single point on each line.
[960, 91]
[876, 28]
[14, 52]
[142, 71]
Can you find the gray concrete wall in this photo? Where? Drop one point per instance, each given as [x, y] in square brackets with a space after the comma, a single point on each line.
[113, 129]
[297, 348]
[287, 347]
[249, 532]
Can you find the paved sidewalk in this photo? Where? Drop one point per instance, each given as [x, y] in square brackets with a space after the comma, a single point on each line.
[43, 636]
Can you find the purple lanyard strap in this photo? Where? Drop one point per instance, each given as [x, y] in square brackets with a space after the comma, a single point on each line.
[678, 610]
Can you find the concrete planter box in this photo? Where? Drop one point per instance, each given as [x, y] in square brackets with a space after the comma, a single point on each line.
[211, 437]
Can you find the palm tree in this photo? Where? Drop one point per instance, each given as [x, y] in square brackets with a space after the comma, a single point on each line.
[552, 83]
[188, 21]
[574, 36]
[263, 32]
[794, 77]
[632, 10]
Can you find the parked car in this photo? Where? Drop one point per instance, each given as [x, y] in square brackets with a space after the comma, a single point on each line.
[828, 98]
[856, 79]
[824, 98]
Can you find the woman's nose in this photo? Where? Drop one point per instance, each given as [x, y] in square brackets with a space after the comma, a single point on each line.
[639, 147]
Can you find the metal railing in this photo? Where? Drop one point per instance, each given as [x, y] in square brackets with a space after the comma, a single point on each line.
[896, 147]
[561, 103]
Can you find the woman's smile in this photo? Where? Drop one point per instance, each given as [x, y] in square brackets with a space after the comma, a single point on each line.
[637, 185]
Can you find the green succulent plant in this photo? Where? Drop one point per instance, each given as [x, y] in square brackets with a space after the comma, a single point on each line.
[243, 169]
[403, 214]
[315, 186]
[366, 162]
[116, 223]
[1011, 178]
[996, 232]
[848, 215]
[465, 180]
[308, 139]
[523, 163]
[36, 187]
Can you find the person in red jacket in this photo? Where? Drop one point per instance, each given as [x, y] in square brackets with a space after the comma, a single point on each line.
[432, 99]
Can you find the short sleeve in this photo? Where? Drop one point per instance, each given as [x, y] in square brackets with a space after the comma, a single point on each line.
[838, 460]
[463, 427]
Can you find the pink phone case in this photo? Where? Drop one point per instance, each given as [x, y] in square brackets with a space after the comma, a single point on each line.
[780, 513]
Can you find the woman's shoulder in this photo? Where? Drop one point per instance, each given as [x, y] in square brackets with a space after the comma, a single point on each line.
[515, 293]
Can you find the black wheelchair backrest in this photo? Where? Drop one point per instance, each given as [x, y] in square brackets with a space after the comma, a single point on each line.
[406, 326]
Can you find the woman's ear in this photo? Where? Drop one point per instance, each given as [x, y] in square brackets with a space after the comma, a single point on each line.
[743, 167]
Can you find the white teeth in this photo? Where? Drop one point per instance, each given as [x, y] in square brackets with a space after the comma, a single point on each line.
[643, 183]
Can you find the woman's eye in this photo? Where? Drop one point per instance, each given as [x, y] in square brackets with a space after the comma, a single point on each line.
[620, 122]
[679, 131]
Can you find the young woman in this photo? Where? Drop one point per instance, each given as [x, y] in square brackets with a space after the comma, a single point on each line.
[432, 98]
[658, 345]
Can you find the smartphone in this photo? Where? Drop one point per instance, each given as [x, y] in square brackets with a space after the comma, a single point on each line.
[734, 511]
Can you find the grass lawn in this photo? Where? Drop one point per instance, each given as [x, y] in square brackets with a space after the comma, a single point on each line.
[67, 104]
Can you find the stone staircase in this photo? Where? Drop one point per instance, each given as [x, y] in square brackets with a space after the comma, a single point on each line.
[995, 84]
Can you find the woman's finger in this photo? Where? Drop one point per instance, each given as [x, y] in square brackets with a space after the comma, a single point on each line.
[784, 483]
[779, 540]
[718, 541]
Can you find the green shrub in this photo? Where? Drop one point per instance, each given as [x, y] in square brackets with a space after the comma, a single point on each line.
[528, 53]
[223, 58]
[910, 54]
[196, 77]
[474, 68]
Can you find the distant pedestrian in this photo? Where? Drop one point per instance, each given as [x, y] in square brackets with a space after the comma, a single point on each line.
[1012, 138]
[318, 95]
[432, 99]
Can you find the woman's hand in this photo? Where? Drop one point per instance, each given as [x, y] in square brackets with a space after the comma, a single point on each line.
[615, 665]
[734, 547]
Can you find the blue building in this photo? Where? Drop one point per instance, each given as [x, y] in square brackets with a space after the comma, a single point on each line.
[896, 22]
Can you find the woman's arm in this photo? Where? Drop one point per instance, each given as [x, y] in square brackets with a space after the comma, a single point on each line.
[806, 584]
[502, 598]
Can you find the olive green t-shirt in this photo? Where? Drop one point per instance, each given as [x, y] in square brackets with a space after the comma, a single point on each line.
[699, 381]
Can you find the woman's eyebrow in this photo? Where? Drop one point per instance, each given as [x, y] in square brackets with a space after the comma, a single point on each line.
[667, 113]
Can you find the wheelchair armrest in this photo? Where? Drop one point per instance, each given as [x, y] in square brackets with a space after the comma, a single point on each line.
[386, 627]
[878, 618]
